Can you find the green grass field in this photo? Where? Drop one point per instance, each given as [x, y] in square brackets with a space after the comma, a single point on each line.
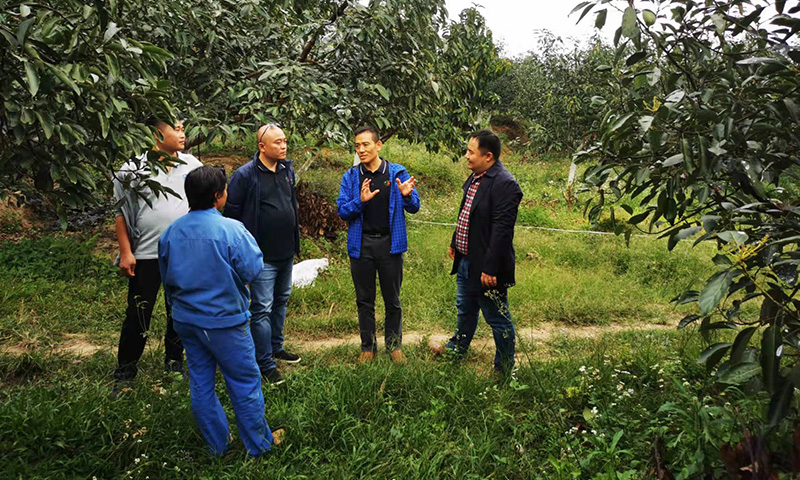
[581, 406]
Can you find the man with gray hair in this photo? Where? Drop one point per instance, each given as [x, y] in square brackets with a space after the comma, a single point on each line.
[261, 195]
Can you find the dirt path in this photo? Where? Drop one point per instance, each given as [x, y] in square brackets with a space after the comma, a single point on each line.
[78, 346]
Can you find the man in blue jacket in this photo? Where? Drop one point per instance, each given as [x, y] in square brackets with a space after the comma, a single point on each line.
[262, 196]
[373, 198]
[206, 262]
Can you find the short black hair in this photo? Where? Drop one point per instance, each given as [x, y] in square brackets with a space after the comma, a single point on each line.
[153, 121]
[366, 128]
[488, 142]
[202, 186]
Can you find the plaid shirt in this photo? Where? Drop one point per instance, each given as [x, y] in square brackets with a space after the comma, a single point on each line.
[462, 228]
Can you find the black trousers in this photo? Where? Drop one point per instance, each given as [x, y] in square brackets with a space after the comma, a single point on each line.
[142, 294]
[376, 257]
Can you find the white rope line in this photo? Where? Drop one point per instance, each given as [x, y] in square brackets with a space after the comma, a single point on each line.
[530, 227]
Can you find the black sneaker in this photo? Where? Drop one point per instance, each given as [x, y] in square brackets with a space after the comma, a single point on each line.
[273, 377]
[174, 370]
[286, 356]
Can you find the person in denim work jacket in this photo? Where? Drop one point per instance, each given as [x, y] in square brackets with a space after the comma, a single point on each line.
[373, 198]
[206, 262]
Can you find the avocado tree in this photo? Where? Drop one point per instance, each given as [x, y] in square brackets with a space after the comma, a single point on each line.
[75, 91]
[550, 92]
[701, 143]
[80, 79]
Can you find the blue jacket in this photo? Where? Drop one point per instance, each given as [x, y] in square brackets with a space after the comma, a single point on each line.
[244, 197]
[206, 263]
[351, 209]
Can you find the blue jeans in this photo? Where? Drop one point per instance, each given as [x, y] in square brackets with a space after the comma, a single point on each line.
[232, 349]
[494, 305]
[269, 294]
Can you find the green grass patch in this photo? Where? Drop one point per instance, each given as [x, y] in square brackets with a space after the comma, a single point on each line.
[427, 419]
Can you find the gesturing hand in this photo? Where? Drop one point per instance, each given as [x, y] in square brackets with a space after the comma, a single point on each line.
[407, 186]
[366, 194]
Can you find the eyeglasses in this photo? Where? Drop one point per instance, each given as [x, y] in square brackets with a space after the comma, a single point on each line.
[267, 128]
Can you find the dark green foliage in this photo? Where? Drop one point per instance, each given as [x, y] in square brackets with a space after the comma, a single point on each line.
[79, 80]
[704, 136]
[75, 90]
[553, 92]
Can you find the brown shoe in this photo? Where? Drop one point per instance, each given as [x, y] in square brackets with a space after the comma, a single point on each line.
[277, 436]
[398, 357]
[366, 357]
[436, 348]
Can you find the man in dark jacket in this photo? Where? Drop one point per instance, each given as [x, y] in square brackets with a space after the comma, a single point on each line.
[261, 195]
[483, 252]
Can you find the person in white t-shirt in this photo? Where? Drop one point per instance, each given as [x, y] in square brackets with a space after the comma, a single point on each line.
[142, 217]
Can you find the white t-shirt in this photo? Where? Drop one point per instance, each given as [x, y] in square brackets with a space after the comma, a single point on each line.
[166, 208]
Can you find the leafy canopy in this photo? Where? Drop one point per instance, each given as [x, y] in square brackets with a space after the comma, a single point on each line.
[79, 79]
[702, 142]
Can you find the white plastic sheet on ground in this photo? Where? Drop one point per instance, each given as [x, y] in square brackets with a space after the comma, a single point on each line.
[304, 273]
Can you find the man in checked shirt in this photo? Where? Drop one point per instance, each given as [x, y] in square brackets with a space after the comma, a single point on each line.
[483, 252]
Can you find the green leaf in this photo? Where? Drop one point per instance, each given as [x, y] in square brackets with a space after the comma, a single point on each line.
[156, 51]
[719, 22]
[33, 78]
[65, 78]
[382, 90]
[635, 58]
[780, 404]
[682, 235]
[111, 30]
[714, 291]
[687, 320]
[739, 374]
[793, 108]
[46, 123]
[770, 356]
[740, 344]
[588, 415]
[620, 122]
[24, 29]
[639, 218]
[600, 21]
[731, 236]
[645, 122]
[673, 160]
[629, 26]
[711, 356]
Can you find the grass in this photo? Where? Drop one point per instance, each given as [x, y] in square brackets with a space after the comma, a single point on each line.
[427, 419]
[579, 408]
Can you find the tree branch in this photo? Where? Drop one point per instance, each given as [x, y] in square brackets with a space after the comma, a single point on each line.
[313, 40]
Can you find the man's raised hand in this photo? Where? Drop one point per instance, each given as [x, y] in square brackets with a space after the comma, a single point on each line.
[366, 194]
[407, 186]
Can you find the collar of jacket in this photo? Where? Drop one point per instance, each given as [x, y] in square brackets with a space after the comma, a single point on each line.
[494, 169]
[257, 161]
